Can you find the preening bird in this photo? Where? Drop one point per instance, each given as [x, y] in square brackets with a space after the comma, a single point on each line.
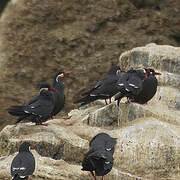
[99, 158]
[103, 141]
[137, 85]
[104, 89]
[36, 109]
[23, 164]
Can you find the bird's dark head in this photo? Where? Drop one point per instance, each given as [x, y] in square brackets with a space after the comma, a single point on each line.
[152, 72]
[24, 147]
[115, 70]
[45, 86]
[142, 72]
[61, 75]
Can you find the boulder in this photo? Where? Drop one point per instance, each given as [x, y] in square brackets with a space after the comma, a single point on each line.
[148, 136]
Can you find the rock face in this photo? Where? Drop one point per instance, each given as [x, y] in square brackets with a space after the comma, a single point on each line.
[40, 37]
[148, 136]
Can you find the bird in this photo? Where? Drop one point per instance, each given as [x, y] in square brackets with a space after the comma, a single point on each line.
[103, 140]
[58, 92]
[104, 89]
[58, 86]
[149, 87]
[99, 158]
[130, 83]
[36, 109]
[137, 85]
[23, 164]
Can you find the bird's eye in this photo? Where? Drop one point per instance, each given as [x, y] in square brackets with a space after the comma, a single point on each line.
[60, 75]
[108, 149]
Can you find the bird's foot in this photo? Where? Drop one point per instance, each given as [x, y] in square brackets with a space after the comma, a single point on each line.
[43, 124]
[50, 117]
[93, 175]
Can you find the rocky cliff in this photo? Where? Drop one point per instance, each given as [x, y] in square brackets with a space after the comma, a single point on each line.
[40, 37]
[148, 136]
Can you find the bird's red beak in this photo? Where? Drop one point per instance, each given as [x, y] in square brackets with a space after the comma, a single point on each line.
[68, 73]
[157, 73]
[123, 71]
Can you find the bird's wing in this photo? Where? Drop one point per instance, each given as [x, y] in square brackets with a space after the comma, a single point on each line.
[134, 84]
[105, 86]
[93, 139]
[43, 105]
[34, 99]
[94, 88]
[110, 143]
[130, 82]
[23, 164]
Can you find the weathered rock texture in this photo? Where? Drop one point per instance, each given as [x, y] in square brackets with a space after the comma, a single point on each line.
[148, 136]
[40, 37]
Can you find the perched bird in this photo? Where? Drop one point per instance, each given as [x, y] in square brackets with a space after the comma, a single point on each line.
[103, 140]
[48, 103]
[104, 89]
[58, 94]
[149, 87]
[99, 158]
[137, 85]
[23, 165]
[38, 108]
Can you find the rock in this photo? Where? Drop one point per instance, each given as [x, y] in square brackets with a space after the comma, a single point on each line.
[148, 136]
[161, 57]
[46, 168]
[55, 141]
[103, 116]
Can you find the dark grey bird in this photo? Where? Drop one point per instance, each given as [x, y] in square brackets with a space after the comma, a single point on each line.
[137, 85]
[149, 87]
[103, 140]
[130, 84]
[23, 164]
[38, 108]
[99, 158]
[58, 86]
[104, 89]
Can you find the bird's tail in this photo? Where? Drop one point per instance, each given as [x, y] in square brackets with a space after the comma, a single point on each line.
[16, 110]
[86, 100]
[17, 177]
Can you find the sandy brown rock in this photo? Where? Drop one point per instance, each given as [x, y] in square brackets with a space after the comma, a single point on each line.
[53, 141]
